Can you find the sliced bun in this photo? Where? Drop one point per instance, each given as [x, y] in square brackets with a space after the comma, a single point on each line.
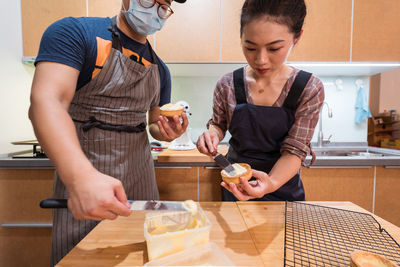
[235, 179]
[170, 110]
[369, 259]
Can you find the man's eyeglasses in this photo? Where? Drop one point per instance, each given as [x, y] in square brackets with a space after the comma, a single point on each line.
[163, 11]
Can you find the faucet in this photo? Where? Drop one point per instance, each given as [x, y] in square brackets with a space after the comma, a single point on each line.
[321, 140]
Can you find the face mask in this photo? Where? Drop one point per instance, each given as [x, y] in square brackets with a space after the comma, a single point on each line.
[144, 21]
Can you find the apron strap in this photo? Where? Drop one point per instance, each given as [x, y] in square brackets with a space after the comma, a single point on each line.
[297, 88]
[238, 84]
[116, 42]
[94, 123]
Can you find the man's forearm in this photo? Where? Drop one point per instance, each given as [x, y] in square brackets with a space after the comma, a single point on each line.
[56, 133]
[155, 132]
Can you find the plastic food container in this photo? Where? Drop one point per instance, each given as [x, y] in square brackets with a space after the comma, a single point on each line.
[170, 232]
[209, 254]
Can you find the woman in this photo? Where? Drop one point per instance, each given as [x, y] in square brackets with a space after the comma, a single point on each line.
[270, 108]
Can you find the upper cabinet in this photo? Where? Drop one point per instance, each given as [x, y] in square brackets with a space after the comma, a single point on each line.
[38, 15]
[326, 32]
[376, 34]
[231, 49]
[208, 30]
[192, 33]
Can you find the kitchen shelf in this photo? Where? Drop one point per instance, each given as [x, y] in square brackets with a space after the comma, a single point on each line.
[217, 69]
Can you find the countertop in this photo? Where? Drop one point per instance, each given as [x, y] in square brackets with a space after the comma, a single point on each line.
[249, 233]
[336, 156]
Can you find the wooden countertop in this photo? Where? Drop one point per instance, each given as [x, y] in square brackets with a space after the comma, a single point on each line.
[249, 233]
[193, 155]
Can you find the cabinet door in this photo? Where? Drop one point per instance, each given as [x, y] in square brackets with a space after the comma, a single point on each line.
[108, 8]
[339, 184]
[20, 194]
[231, 49]
[191, 34]
[38, 15]
[327, 32]
[326, 36]
[209, 184]
[387, 204]
[177, 183]
[376, 34]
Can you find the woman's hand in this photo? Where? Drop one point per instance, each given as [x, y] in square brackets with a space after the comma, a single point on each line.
[172, 128]
[208, 142]
[251, 189]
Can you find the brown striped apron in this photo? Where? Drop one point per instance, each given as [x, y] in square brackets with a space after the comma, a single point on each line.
[110, 118]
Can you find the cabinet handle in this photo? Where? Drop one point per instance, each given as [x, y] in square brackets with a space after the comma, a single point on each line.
[339, 167]
[27, 225]
[213, 168]
[392, 167]
[170, 167]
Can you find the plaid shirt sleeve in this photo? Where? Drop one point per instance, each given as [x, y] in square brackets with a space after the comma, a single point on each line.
[298, 141]
[222, 103]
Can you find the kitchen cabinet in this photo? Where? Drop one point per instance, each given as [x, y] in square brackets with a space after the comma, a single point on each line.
[387, 204]
[177, 183]
[38, 15]
[191, 34]
[209, 184]
[326, 36]
[208, 30]
[21, 191]
[376, 31]
[340, 184]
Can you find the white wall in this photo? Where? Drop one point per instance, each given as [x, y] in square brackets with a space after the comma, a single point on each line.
[198, 92]
[16, 79]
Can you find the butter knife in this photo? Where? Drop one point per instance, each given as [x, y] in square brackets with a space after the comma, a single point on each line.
[53, 203]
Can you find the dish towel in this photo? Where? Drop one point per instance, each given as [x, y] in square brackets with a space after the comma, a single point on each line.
[362, 110]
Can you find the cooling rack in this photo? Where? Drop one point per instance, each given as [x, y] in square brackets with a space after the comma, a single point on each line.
[323, 236]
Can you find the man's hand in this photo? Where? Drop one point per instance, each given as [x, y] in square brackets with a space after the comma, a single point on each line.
[247, 190]
[172, 128]
[97, 196]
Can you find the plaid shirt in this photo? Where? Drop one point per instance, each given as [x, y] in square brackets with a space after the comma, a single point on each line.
[298, 140]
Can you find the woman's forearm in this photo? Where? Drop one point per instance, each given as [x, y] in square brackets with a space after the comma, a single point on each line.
[284, 169]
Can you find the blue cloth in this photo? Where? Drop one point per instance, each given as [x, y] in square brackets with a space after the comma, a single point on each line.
[362, 110]
[72, 41]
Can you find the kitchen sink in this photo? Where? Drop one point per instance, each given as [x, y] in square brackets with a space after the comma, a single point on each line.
[366, 152]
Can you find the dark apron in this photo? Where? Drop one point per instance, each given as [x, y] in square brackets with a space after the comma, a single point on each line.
[258, 132]
[110, 119]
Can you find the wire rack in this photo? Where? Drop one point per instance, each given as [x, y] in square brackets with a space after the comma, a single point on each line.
[322, 236]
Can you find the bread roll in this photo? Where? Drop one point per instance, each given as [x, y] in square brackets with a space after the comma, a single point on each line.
[235, 179]
[369, 259]
[169, 110]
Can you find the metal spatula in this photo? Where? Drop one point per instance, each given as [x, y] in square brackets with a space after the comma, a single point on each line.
[223, 162]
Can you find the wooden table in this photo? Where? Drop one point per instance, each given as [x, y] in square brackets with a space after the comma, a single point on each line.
[250, 233]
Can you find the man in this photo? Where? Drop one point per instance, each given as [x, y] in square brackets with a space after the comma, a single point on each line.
[95, 80]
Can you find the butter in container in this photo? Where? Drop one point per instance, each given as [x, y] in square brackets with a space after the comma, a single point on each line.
[209, 254]
[170, 232]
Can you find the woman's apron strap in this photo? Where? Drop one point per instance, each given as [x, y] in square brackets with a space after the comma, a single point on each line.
[297, 88]
[238, 83]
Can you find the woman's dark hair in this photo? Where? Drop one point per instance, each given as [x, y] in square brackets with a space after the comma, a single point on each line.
[288, 12]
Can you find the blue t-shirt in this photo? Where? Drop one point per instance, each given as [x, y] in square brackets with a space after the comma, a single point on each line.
[73, 42]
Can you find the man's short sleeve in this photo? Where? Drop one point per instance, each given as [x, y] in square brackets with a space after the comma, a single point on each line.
[165, 84]
[64, 42]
